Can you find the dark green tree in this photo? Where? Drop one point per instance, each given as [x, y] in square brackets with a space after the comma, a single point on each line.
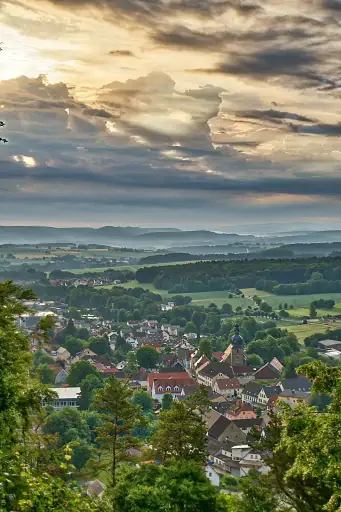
[181, 430]
[167, 401]
[46, 374]
[144, 400]
[100, 345]
[74, 345]
[312, 311]
[175, 487]
[79, 371]
[147, 357]
[205, 348]
[88, 387]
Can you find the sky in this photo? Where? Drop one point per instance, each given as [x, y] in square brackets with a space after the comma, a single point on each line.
[198, 114]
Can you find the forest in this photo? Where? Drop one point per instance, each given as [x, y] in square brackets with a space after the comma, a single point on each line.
[281, 277]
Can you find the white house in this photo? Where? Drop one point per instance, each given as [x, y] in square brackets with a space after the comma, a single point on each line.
[67, 397]
[212, 475]
[61, 377]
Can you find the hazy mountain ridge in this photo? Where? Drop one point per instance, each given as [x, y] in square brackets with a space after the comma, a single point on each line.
[200, 241]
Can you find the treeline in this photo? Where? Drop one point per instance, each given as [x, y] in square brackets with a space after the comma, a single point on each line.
[286, 276]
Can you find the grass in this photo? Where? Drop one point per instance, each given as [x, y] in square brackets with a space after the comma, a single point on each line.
[250, 292]
[198, 299]
[300, 301]
[303, 331]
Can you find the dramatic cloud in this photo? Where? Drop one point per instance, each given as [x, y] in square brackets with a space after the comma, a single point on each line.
[189, 112]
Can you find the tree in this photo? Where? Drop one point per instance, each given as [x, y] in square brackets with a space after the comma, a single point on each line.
[227, 309]
[70, 329]
[181, 430]
[144, 400]
[20, 395]
[100, 345]
[205, 348]
[190, 328]
[79, 371]
[25, 483]
[147, 357]
[198, 320]
[88, 385]
[167, 401]
[81, 453]
[283, 313]
[74, 345]
[46, 374]
[254, 360]
[301, 447]
[174, 487]
[131, 362]
[120, 417]
[312, 311]
[69, 424]
[265, 307]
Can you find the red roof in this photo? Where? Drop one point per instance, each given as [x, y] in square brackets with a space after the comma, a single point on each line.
[218, 355]
[172, 383]
[228, 383]
[183, 376]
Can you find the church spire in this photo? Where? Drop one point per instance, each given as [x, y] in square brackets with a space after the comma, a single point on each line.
[237, 338]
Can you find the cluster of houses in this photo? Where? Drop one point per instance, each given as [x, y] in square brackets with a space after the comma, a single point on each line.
[241, 396]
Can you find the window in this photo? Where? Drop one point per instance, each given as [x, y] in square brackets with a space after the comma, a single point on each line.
[176, 388]
[160, 388]
[168, 388]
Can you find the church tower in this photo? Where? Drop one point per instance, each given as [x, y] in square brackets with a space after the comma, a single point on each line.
[234, 354]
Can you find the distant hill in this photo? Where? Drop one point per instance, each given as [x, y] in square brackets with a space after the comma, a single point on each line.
[172, 239]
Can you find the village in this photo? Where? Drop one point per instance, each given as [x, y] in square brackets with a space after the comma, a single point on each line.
[242, 397]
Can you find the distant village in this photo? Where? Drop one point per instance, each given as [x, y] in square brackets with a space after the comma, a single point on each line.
[241, 396]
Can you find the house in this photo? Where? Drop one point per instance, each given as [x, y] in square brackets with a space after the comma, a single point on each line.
[267, 372]
[224, 429]
[95, 488]
[246, 425]
[183, 376]
[199, 364]
[211, 417]
[299, 383]
[248, 459]
[218, 355]
[214, 371]
[212, 474]
[61, 376]
[245, 373]
[329, 344]
[258, 394]
[84, 355]
[63, 354]
[241, 410]
[171, 385]
[227, 387]
[335, 354]
[296, 397]
[66, 397]
[154, 344]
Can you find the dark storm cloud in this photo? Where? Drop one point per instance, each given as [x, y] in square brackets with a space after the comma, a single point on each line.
[333, 5]
[170, 179]
[273, 115]
[274, 62]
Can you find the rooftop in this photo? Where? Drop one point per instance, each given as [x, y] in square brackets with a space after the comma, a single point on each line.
[67, 393]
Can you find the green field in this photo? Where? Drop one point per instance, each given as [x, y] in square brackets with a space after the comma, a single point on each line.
[299, 312]
[303, 331]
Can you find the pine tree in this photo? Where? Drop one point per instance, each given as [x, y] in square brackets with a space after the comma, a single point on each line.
[121, 416]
